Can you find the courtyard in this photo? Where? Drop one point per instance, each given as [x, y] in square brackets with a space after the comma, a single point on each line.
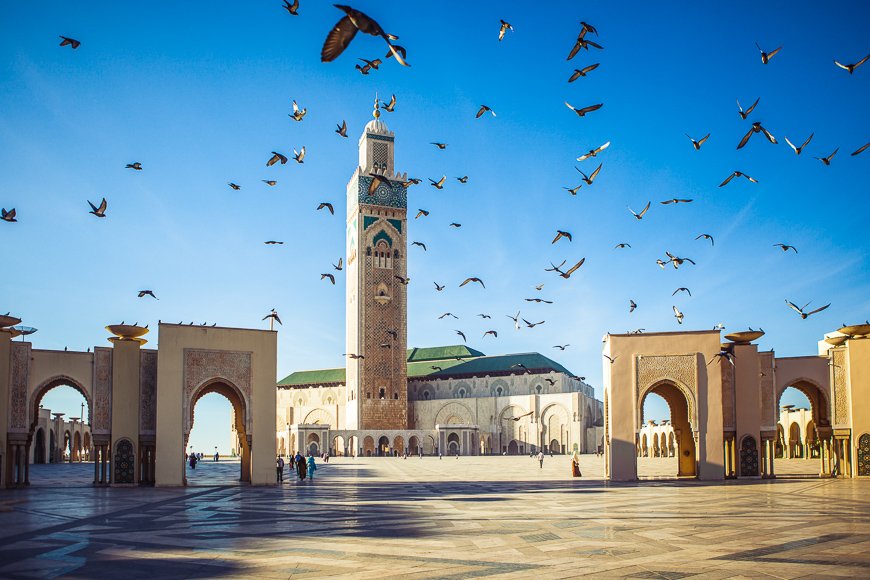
[450, 518]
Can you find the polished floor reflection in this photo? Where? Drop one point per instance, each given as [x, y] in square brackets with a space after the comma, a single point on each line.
[430, 518]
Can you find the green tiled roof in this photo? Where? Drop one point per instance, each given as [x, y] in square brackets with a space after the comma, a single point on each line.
[421, 361]
[487, 365]
[441, 353]
[318, 377]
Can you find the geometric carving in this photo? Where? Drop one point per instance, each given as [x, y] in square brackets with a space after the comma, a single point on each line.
[148, 391]
[840, 397]
[102, 419]
[748, 457]
[728, 419]
[319, 417]
[864, 454]
[680, 369]
[202, 365]
[453, 414]
[18, 387]
[768, 405]
[124, 462]
[392, 195]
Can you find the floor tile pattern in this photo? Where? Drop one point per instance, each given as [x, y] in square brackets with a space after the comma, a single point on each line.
[472, 517]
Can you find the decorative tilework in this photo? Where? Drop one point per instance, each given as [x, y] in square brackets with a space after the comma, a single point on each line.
[396, 224]
[382, 235]
[102, 420]
[148, 391]
[841, 409]
[395, 195]
[202, 366]
[368, 220]
[18, 387]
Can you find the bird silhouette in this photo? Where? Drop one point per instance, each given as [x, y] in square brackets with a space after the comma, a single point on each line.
[785, 247]
[460, 333]
[505, 26]
[275, 158]
[737, 174]
[827, 160]
[298, 113]
[581, 112]
[8, 216]
[678, 315]
[421, 212]
[330, 277]
[707, 237]
[421, 244]
[484, 109]
[593, 152]
[292, 8]
[438, 184]
[493, 333]
[345, 29]
[478, 280]
[299, 156]
[342, 129]
[143, 293]
[135, 166]
[273, 315]
[697, 144]
[851, 67]
[642, 212]
[756, 128]
[270, 182]
[686, 290]
[100, 212]
[338, 266]
[766, 56]
[327, 205]
[798, 150]
[234, 186]
[804, 315]
[588, 179]
[71, 42]
[391, 106]
[743, 114]
[562, 234]
[582, 72]
[437, 287]
[861, 149]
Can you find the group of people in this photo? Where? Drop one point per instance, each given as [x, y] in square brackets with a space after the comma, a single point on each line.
[304, 468]
[195, 458]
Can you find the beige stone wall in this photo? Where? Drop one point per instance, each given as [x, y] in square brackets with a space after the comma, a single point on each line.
[125, 400]
[5, 346]
[858, 367]
[192, 357]
[643, 361]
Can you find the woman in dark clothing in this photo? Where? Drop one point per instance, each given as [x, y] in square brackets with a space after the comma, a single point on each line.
[301, 468]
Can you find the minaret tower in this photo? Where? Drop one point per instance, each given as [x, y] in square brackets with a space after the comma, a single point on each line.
[377, 249]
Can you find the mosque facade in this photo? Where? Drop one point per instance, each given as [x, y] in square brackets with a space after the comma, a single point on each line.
[391, 399]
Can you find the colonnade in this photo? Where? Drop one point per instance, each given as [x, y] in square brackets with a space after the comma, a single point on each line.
[101, 464]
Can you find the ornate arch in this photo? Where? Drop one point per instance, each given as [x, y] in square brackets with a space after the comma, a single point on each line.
[226, 388]
[319, 417]
[56, 381]
[687, 392]
[817, 395]
[454, 414]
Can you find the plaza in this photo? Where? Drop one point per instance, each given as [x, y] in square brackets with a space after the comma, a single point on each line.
[450, 518]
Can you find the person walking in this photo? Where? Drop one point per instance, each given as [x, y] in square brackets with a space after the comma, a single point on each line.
[541, 458]
[312, 467]
[280, 468]
[300, 466]
[192, 460]
[575, 464]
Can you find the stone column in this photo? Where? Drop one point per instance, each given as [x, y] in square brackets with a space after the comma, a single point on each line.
[764, 472]
[771, 451]
[103, 450]
[26, 464]
[96, 464]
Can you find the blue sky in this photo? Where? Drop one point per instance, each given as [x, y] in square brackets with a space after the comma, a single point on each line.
[200, 97]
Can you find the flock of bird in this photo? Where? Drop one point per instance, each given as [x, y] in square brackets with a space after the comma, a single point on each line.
[339, 38]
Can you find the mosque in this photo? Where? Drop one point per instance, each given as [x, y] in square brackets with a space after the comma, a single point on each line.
[726, 420]
[446, 399]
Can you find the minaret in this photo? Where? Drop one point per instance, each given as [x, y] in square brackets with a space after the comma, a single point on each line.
[377, 385]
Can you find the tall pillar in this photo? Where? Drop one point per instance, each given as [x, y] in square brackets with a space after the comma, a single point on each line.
[771, 451]
[96, 464]
[103, 450]
[26, 464]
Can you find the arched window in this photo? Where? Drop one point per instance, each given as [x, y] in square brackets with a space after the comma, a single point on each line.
[426, 395]
[498, 391]
[461, 393]
[382, 393]
[383, 256]
[538, 388]
[329, 400]
[396, 396]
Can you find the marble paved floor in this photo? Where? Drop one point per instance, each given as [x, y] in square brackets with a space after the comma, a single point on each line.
[428, 518]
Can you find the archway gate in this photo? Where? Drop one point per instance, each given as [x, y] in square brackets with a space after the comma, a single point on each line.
[673, 365]
[119, 384]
